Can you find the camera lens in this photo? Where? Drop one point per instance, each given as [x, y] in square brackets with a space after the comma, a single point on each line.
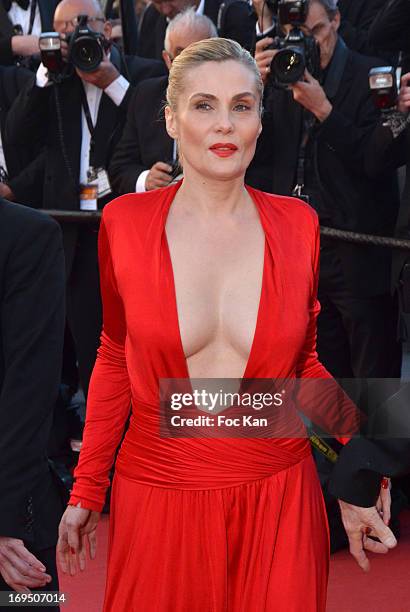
[288, 66]
[87, 53]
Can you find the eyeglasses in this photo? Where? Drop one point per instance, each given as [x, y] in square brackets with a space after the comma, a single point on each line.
[60, 24]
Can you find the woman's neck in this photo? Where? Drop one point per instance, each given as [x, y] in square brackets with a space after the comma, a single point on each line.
[206, 196]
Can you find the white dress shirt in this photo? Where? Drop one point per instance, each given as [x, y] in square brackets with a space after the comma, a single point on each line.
[116, 91]
[2, 157]
[200, 8]
[19, 16]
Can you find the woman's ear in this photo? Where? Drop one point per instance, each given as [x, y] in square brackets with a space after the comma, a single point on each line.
[170, 122]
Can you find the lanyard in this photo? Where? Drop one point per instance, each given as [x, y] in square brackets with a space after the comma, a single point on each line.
[33, 8]
[307, 128]
[87, 113]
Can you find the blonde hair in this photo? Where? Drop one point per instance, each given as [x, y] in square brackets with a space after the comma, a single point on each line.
[210, 50]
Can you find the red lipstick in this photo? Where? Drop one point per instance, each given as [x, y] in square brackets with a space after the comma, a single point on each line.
[223, 149]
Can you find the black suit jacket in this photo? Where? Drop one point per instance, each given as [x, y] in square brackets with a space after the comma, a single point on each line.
[239, 25]
[31, 341]
[390, 29]
[355, 200]
[46, 7]
[387, 153]
[357, 18]
[20, 160]
[145, 140]
[363, 461]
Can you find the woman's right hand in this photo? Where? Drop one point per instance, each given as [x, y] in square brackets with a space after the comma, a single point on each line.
[76, 526]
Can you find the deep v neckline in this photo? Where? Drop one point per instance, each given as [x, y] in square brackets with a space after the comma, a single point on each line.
[174, 305]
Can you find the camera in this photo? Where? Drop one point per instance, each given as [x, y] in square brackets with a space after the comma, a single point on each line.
[85, 48]
[297, 52]
[383, 85]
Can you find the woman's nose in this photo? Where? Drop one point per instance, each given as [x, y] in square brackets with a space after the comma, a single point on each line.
[224, 123]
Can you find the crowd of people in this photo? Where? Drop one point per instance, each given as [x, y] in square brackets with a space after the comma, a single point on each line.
[73, 137]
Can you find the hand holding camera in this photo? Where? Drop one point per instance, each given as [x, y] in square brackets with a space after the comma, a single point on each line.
[103, 76]
[403, 103]
[84, 50]
[264, 54]
[284, 60]
[310, 94]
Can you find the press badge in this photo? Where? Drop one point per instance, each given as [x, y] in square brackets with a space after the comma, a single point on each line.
[88, 196]
[101, 177]
[98, 186]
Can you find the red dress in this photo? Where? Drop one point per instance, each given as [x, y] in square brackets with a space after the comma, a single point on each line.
[202, 525]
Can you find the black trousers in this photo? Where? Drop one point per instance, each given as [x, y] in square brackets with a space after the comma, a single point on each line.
[357, 336]
[84, 309]
[48, 557]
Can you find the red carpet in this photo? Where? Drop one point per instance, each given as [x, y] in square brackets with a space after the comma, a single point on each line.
[385, 589]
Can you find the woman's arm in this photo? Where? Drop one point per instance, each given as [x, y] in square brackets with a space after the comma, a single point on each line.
[109, 396]
[319, 396]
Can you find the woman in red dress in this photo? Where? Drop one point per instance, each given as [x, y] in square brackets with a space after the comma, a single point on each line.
[204, 279]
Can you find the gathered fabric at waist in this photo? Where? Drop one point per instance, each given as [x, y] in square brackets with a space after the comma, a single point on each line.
[201, 462]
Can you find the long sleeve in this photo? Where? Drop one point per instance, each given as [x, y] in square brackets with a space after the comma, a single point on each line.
[319, 396]
[109, 396]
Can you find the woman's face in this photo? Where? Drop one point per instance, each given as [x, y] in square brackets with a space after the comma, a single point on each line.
[217, 120]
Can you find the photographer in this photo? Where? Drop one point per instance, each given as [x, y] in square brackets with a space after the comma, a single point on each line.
[314, 143]
[21, 22]
[234, 19]
[79, 119]
[145, 154]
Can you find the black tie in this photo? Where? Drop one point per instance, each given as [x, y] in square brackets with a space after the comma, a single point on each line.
[24, 4]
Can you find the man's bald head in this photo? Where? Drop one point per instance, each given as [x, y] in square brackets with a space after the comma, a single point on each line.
[72, 8]
[67, 10]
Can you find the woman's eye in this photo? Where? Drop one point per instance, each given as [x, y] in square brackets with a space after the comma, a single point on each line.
[242, 107]
[203, 106]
